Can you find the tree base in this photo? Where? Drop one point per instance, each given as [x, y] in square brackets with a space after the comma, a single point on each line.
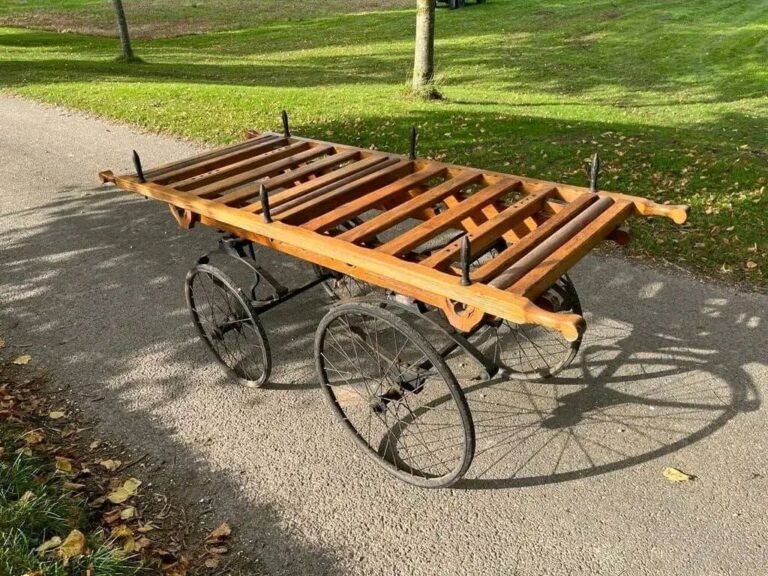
[425, 92]
[129, 60]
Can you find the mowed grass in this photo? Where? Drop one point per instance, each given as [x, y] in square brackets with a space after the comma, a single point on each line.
[672, 95]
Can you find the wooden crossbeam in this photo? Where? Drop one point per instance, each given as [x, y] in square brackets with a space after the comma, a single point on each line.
[517, 250]
[360, 205]
[432, 227]
[309, 208]
[264, 171]
[335, 178]
[395, 215]
[293, 175]
[561, 260]
[490, 231]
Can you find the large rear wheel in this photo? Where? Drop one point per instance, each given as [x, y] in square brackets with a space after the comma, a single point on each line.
[394, 394]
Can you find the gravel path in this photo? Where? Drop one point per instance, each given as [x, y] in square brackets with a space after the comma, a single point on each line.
[568, 477]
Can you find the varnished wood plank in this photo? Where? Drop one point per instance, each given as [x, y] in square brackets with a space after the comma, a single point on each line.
[307, 208]
[517, 250]
[562, 259]
[270, 169]
[408, 278]
[224, 168]
[431, 228]
[163, 169]
[360, 205]
[395, 215]
[491, 230]
[281, 180]
[328, 181]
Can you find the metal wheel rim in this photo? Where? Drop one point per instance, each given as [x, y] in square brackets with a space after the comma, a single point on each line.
[243, 329]
[419, 423]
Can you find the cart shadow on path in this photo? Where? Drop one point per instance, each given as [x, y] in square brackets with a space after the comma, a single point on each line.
[663, 364]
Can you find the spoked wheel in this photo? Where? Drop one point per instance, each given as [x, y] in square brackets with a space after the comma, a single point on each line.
[228, 325]
[530, 352]
[395, 394]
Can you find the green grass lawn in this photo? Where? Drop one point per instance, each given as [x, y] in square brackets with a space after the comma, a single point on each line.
[673, 96]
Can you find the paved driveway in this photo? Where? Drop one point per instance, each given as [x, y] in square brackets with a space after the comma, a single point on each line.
[567, 479]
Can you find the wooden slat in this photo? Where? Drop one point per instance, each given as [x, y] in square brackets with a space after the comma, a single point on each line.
[163, 169]
[518, 249]
[281, 180]
[491, 230]
[308, 209]
[335, 178]
[394, 216]
[360, 205]
[267, 170]
[560, 261]
[224, 168]
[431, 228]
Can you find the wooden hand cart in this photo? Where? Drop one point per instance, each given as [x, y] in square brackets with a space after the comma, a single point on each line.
[480, 256]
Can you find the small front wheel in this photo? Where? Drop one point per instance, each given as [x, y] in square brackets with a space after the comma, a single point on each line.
[228, 325]
[394, 394]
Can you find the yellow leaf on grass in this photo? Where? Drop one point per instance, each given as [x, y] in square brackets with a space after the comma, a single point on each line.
[220, 533]
[122, 531]
[110, 464]
[675, 475]
[73, 486]
[54, 542]
[128, 513]
[64, 465]
[73, 545]
[125, 491]
[56, 414]
[22, 360]
[34, 437]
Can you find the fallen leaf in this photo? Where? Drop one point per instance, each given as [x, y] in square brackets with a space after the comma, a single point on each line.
[22, 360]
[218, 550]
[751, 265]
[34, 437]
[212, 562]
[125, 491]
[54, 542]
[219, 534]
[142, 543]
[64, 465]
[129, 546]
[675, 475]
[95, 444]
[2, 342]
[148, 527]
[36, 572]
[73, 545]
[56, 414]
[128, 513]
[122, 531]
[73, 486]
[110, 464]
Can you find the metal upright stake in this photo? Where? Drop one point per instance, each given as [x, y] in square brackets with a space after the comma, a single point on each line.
[594, 172]
[137, 165]
[286, 129]
[265, 204]
[465, 256]
[412, 147]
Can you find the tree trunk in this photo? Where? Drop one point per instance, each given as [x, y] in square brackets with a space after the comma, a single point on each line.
[122, 27]
[424, 60]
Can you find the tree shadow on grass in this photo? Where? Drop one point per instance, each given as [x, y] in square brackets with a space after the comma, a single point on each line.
[707, 53]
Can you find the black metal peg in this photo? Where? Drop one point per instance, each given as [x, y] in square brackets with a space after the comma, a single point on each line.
[594, 172]
[465, 261]
[412, 144]
[286, 128]
[265, 204]
[137, 165]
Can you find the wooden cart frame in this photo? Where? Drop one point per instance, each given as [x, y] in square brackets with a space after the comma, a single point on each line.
[475, 246]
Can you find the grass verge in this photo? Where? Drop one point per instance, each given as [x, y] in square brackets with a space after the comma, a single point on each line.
[672, 95]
